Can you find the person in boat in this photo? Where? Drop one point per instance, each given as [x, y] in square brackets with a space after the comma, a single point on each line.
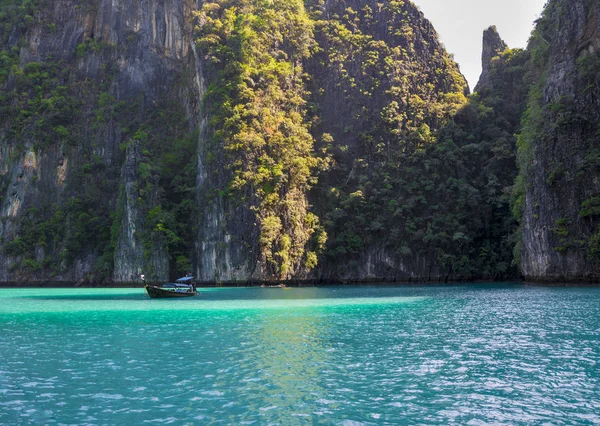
[191, 290]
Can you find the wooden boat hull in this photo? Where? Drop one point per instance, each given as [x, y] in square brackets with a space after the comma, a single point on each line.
[159, 293]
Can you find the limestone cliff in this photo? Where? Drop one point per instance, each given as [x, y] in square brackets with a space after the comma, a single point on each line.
[559, 147]
[246, 141]
[120, 156]
[83, 84]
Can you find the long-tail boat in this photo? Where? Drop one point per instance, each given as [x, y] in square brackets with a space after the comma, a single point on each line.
[182, 287]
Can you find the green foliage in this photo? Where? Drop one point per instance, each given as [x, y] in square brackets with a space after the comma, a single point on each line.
[16, 16]
[87, 222]
[566, 240]
[532, 127]
[41, 105]
[42, 227]
[541, 37]
[16, 247]
[36, 100]
[176, 164]
[533, 124]
[417, 168]
[68, 231]
[590, 207]
[92, 46]
[589, 72]
[561, 228]
[593, 250]
[31, 265]
[256, 99]
[108, 108]
[165, 186]
[556, 173]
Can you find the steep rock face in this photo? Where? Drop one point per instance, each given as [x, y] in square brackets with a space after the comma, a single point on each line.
[222, 253]
[559, 147]
[131, 257]
[100, 71]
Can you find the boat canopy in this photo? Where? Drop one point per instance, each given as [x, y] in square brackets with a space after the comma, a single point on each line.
[175, 285]
[184, 280]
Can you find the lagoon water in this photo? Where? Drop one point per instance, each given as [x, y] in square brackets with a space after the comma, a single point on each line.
[486, 354]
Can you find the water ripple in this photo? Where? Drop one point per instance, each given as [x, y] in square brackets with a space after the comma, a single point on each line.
[349, 356]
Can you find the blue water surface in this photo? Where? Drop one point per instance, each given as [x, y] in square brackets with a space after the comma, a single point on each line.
[484, 354]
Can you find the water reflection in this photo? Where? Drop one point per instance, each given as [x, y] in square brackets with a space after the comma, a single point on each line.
[285, 357]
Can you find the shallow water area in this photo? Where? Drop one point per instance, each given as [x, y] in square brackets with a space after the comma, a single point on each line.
[481, 354]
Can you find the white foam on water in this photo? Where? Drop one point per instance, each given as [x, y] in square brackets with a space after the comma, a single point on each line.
[269, 408]
[107, 396]
[213, 393]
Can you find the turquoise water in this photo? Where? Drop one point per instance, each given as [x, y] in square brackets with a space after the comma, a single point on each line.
[498, 354]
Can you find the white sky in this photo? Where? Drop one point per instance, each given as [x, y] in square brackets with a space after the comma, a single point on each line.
[460, 25]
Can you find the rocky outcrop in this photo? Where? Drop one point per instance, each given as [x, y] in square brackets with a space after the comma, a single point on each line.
[493, 45]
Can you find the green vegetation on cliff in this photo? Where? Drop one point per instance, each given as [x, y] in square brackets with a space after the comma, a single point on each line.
[256, 100]
[67, 123]
[335, 137]
[419, 172]
[559, 146]
[382, 87]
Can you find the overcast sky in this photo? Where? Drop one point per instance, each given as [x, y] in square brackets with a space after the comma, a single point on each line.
[460, 24]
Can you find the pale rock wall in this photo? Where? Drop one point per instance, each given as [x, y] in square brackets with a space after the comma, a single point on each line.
[150, 42]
